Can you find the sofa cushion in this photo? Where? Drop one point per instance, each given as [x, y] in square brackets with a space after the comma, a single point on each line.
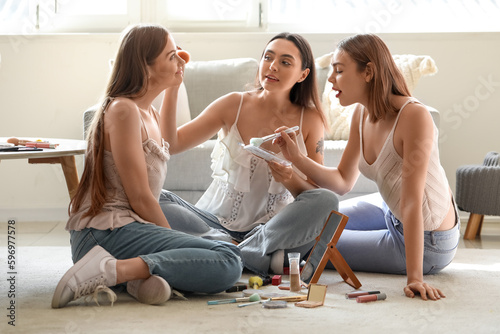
[206, 81]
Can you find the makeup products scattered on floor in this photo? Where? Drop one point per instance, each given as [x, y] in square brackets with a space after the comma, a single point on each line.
[284, 286]
[297, 298]
[268, 298]
[354, 294]
[252, 298]
[315, 296]
[255, 282]
[293, 261]
[253, 303]
[237, 287]
[371, 298]
[263, 293]
[274, 304]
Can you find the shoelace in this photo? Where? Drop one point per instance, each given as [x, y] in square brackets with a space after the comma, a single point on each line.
[178, 294]
[91, 289]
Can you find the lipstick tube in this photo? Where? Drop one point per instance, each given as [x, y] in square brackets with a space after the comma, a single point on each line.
[371, 298]
[354, 294]
[41, 144]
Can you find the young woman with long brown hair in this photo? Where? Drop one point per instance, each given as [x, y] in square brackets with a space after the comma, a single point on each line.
[411, 226]
[119, 233]
[248, 199]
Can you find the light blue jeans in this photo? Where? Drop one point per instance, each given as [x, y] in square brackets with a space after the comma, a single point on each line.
[187, 263]
[373, 239]
[293, 229]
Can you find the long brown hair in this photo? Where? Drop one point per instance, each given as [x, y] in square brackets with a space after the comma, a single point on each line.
[139, 47]
[387, 79]
[304, 93]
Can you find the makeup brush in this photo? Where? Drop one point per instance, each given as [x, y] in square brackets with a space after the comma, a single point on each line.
[253, 298]
[258, 141]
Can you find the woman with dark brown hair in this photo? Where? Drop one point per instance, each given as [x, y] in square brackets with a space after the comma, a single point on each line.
[266, 214]
[411, 226]
[119, 233]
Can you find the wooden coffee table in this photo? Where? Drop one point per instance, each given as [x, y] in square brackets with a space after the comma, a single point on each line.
[63, 154]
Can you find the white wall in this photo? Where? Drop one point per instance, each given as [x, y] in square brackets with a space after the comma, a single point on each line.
[47, 81]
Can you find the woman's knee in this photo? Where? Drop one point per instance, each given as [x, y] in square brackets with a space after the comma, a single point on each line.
[332, 200]
[323, 199]
[232, 266]
[167, 196]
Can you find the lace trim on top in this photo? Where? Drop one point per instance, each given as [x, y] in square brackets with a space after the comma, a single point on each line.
[232, 164]
[274, 203]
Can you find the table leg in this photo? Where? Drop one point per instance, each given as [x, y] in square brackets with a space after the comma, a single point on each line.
[68, 165]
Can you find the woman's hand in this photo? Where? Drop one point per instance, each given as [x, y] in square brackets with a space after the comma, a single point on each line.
[280, 172]
[287, 143]
[425, 290]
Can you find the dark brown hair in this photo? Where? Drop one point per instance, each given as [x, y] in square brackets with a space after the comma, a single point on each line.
[304, 93]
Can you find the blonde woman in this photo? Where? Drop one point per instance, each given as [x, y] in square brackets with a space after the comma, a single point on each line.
[411, 226]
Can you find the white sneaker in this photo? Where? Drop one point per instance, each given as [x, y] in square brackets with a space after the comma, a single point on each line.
[94, 272]
[153, 291]
[277, 261]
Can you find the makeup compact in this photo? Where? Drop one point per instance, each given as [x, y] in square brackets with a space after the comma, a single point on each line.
[315, 296]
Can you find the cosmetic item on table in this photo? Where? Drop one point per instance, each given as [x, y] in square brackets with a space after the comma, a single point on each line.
[17, 141]
[19, 149]
[41, 144]
[294, 260]
[354, 294]
[371, 298]
[32, 143]
[253, 298]
[6, 145]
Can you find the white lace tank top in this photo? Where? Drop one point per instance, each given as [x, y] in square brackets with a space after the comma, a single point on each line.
[243, 193]
[386, 171]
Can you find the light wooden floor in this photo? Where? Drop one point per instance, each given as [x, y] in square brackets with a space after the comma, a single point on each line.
[54, 234]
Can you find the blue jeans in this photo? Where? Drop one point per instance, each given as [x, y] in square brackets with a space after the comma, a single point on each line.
[373, 239]
[293, 229]
[186, 262]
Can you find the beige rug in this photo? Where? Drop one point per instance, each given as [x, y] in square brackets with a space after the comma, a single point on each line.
[471, 283]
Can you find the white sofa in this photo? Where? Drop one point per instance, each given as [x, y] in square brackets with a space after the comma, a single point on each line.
[189, 173]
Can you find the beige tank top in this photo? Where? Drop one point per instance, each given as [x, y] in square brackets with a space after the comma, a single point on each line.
[386, 171]
[117, 211]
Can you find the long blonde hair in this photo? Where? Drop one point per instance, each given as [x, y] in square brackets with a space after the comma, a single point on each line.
[139, 47]
[387, 79]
